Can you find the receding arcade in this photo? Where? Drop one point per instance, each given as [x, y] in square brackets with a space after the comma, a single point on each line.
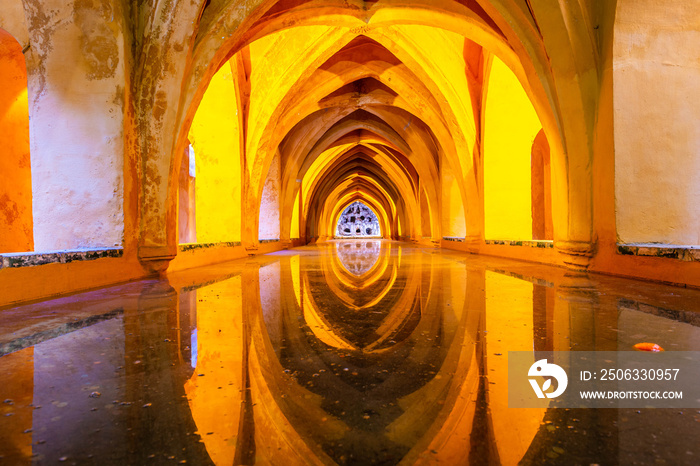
[299, 122]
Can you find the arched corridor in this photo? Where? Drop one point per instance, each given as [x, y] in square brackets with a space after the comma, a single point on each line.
[145, 142]
[478, 126]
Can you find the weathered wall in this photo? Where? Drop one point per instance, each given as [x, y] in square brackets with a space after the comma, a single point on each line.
[15, 171]
[510, 127]
[657, 136]
[215, 137]
[76, 97]
[12, 20]
[269, 226]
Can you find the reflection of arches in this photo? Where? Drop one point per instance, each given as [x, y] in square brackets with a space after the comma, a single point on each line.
[361, 259]
[397, 397]
[16, 223]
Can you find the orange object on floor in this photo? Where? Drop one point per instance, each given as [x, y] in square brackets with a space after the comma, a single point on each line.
[648, 347]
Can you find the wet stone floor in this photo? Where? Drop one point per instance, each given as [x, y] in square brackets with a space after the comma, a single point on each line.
[348, 352]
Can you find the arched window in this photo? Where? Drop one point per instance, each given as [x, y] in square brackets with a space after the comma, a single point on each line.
[358, 220]
[16, 224]
[187, 220]
[511, 125]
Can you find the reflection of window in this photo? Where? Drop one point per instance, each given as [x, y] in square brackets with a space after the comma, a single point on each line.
[358, 220]
[360, 257]
[193, 348]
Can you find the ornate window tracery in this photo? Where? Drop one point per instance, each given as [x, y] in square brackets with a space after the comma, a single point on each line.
[358, 220]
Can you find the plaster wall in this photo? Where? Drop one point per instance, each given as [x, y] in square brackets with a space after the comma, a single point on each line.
[15, 175]
[214, 134]
[269, 226]
[76, 96]
[453, 220]
[510, 128]
[656, 85]
[13, 21]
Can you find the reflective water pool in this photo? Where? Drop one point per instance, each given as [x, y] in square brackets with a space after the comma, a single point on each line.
[349, 352]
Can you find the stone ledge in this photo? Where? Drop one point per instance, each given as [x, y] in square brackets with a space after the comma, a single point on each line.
[7, 347]
[455, 239]
[271, 240]
[688, 317]
[545, 244]
[533, 280]
[31, 259]
[192, 246]
[667, 251]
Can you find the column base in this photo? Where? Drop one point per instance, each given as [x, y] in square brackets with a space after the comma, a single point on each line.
[577, 254]
[473, 244]
[155, 259]
[251, 247]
